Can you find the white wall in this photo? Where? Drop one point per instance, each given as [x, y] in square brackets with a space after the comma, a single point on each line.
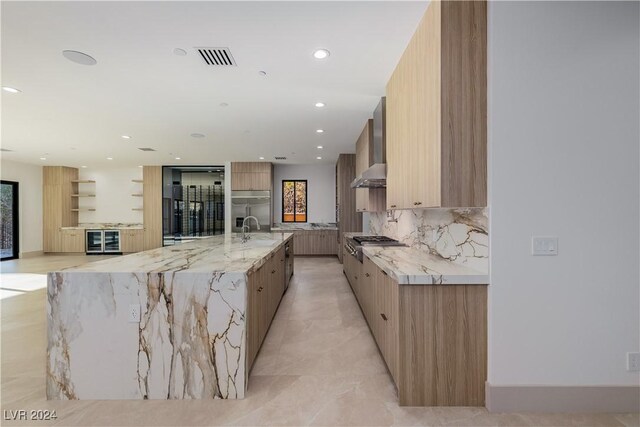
[113, 189]
[321, 190]
[30, 202]
[564, 161]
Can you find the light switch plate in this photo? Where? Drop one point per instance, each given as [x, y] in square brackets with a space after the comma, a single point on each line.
[633, 362]
[544, 245]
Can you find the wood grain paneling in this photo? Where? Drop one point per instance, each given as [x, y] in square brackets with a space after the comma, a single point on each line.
[152, 206]
[347, 217]
[73, 240]
[131, 240]
[464, 103]
[436, 111]
[443, 345]
[315, 242]
[253, 176]
[58, 187]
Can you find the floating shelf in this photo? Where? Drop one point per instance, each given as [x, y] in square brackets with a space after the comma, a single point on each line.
[136, 209]
[83, 210]
[137, 180]
[83, 195]
[83, 181]
[137, 195]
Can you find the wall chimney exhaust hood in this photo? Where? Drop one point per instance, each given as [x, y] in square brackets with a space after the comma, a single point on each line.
[376, 175]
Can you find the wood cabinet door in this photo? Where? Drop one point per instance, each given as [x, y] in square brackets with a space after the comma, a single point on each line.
[72, 241]
[131, 240]
[390, 309]
[368, 292]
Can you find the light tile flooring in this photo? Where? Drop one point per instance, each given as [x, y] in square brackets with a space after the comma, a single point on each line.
[318, 366]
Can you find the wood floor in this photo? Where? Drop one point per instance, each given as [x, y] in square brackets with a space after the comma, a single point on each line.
[318, 366]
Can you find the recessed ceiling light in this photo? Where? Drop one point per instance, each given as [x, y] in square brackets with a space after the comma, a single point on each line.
[261, 158]
[319, 158]
[320, 104]
[320, 147]
[179, 52]
[83, 167]
[109, 158]
[224, 104]
[10, 89]
[79, 57]
[139, 166]
[319, 130]
[262, 73]
[43, 158]
[321, 53]
[126, 136]
[197, 135]
[177, 158]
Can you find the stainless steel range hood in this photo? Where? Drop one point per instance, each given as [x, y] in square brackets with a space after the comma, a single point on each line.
[376, 175]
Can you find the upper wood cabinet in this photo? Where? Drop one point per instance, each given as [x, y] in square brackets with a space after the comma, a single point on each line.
[256, 176]
[367, 199]
[437, 111]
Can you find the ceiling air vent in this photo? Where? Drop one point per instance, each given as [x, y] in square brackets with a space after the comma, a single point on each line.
[146, 149]
[217, 56]
[5, 149]
[280, 158]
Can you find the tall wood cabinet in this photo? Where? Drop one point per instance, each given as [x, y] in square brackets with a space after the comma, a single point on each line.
[346, 216]
[367, 199]
[255, 176]
[59, 183]
[437, 111]
[152, 206]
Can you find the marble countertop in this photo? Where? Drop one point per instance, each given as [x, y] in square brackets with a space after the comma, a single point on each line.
[104, 226]
[314, 226]
[414, 267]
[224, 254]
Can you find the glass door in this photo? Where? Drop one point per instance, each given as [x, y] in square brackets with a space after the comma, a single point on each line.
[9, 227]
[94, 241]
[112, 241]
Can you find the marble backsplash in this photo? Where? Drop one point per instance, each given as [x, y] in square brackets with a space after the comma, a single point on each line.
[457, 235]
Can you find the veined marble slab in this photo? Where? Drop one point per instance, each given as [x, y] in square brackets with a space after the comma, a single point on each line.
[190, 342]
[305, 226]
[105, 226]
[414, 267]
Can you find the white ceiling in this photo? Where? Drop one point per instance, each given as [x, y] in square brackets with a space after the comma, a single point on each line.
[75, 114]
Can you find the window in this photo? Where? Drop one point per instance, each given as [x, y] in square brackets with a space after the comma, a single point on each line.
[294, 200]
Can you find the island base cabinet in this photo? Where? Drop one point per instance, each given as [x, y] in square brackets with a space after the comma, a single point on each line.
[316, 242]
[265, 288]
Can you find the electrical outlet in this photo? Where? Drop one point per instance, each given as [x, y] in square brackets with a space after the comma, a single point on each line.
[633, 362]
[134, 313]
[541, 245]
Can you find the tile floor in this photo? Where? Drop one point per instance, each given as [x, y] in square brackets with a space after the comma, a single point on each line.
[318, 366]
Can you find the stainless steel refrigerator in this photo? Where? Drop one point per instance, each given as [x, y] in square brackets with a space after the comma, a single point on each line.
[251, 203]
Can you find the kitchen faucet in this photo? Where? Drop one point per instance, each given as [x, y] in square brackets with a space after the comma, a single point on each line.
[245, 237]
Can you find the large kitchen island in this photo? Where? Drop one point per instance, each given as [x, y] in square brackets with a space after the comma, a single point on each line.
[180, 322]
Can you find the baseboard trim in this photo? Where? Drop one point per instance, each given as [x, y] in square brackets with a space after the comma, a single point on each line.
[542, 398]
[31, 254]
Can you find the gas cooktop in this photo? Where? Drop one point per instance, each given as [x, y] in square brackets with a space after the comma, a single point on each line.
[376, 240]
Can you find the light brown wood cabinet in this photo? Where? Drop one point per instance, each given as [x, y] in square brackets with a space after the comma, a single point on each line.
[57, 187]
[256, 176]
[131, 240]
[436, 133]
[315, 242]
[73, 240]
[152, 206]
[265, 288]
[433, 338]
[347, 217]
[367, 199]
